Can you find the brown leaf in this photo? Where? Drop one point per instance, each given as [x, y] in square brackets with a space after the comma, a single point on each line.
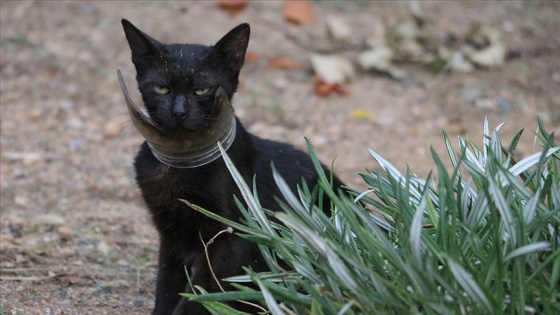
[299, 12]
[233, 6]
[323, 88]
[252, 56]
[284, 63]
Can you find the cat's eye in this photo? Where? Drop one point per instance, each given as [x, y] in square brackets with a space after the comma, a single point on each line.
[201, 91]
[161, 89]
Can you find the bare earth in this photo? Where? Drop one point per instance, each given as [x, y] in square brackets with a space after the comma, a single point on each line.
[75, 237]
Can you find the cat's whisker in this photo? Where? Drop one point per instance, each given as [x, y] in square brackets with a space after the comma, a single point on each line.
[121, 138]
[116, 124]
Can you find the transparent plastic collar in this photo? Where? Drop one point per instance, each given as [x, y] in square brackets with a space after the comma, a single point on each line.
[189, 150]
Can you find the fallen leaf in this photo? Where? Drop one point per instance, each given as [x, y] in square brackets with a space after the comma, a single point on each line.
[233, 6]
[484, 47]
[299, 12]
[323, 88]
[460, 64]
[284, 63]
[380, 59]
[338, 29]
[332, 68]
[251, 56]
[492, 56]
[362, 113]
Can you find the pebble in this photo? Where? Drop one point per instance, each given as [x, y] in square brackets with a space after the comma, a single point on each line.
[21, 200]
[122, 263]
[503, 104]
[485, 103]
[76, 144]
[75, 123]
[472, 94]
[49, 219]
[65, 232]
[103, 248]
[16, 224]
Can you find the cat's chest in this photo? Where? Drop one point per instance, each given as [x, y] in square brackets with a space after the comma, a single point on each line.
[162, 186]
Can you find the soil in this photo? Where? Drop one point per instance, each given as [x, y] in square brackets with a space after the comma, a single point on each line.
[75, 236]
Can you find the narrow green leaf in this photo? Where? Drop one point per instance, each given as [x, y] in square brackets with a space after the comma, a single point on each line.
[504, 208]
[530, 161]
[416, 231]
[252, 202]
[527, 249]
[515, 140]
[470, 286]
[273, 306]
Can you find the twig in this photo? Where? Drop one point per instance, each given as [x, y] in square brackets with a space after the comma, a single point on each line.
[36, 268]
[229, 229]
[32, 278]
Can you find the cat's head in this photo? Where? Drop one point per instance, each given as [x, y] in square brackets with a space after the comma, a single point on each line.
[178, 82]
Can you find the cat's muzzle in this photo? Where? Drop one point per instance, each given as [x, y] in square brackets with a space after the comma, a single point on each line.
[189, 150]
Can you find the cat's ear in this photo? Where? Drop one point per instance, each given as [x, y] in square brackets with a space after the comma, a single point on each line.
[141, 44]
[232, 47]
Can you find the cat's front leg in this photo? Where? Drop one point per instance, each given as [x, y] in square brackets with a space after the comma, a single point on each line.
[187, 307]
[171, 280]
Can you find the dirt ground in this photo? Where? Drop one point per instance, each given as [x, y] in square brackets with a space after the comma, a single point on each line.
[75, 237]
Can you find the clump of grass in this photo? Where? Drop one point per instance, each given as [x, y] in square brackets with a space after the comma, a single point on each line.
[480, 238]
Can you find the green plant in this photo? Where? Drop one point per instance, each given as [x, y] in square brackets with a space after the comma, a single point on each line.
[480, 238]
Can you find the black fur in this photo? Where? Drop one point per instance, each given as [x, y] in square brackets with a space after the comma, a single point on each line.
[183, 68]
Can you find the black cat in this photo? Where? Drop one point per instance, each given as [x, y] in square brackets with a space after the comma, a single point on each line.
[186, 89]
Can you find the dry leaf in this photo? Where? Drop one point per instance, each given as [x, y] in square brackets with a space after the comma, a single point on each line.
[323, 88]
[380, 59]
[233, 6]
[338, 29]
[284, 63]
[332, 68]
[299, 12]
[492, 56]
[362, 113]
[252, 56]
[459, 63]
[485, 48]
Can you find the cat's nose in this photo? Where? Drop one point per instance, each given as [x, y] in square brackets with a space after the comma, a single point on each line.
[180, 108]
